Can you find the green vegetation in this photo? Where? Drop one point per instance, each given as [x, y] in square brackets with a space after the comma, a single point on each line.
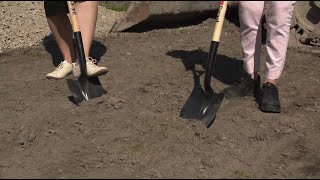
[115, 5]
[242, 175]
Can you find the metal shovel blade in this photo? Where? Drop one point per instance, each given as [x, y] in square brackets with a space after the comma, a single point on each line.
[210, 107]
[83, 89]
[202, 106]
[192, 107]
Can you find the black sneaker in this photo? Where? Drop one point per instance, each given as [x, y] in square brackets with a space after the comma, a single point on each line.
[246, 86]
[270, 98]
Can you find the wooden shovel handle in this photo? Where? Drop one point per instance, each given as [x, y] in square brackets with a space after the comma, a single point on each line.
[219, 21]
[73, 16]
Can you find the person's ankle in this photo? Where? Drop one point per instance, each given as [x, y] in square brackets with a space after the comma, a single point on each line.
[272, 81]
[68, 61]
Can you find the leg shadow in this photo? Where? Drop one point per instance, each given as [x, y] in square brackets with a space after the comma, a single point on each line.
[97, 49]
[52, 48]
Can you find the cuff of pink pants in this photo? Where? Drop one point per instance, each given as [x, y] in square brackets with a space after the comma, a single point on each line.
[273, 74]
[250, 68]
[270, 74]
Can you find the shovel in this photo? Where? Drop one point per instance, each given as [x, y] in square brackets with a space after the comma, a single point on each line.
[204, 104]
[82, 87]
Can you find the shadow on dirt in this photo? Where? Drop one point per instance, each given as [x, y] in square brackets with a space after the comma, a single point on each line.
[97, 49]
[170, 22]
[232, 15]
[226, 69]
[181, 20]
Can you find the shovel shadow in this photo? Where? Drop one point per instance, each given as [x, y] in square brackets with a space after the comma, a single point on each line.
[226, 70]
[195, 100]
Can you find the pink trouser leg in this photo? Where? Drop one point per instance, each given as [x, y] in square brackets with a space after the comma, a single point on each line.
[278, 16]
[250, 13]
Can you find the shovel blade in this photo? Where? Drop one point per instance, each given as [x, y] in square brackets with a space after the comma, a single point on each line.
[210, 107]
[202, 106]
[85, 89]
[192, 107]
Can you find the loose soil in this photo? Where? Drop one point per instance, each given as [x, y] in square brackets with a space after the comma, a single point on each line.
[134, 131]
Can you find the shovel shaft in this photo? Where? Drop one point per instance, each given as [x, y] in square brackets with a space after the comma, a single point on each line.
[80, 52]
[209, 67]
[73, 16]
[214, 44]
[77, 38]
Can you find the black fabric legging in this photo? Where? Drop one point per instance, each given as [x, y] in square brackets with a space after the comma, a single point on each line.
[53, 8]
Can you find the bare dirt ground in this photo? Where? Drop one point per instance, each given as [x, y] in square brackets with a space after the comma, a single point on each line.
[135, 130]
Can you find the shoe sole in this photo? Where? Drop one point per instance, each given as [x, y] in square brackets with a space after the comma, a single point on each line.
[269, 109]
[238, 97]
[50, 77]
[99, 73]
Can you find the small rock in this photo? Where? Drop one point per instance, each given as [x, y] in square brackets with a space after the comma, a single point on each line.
[31, 136]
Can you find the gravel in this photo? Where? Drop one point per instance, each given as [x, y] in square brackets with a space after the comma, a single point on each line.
[23, 23]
